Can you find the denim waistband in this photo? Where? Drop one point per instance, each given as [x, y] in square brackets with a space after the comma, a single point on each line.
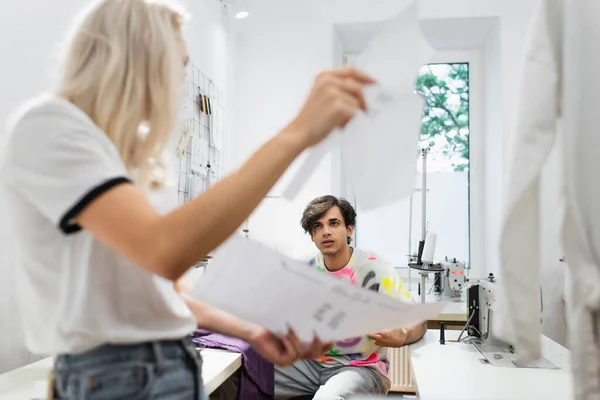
[154, 352]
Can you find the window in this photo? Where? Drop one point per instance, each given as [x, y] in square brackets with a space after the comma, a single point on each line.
[451, 129]
[445, 134]
[445, 128]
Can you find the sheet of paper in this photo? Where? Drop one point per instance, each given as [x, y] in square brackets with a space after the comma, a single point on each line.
[255, 283]
[380, 153]
[395, 56]
[380, 147]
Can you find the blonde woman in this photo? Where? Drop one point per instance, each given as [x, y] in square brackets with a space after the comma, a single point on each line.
[98, 260]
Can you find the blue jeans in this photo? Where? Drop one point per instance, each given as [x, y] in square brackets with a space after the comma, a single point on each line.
[150, 371]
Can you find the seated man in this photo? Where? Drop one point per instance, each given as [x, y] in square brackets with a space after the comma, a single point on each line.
[357, 365]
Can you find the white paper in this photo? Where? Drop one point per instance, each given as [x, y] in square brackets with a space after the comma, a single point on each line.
[255, 283]
[395, 56]
[380, 146]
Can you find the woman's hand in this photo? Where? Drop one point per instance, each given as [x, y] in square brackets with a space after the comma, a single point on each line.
[334, 99]
[280, 351]
[182, 286]
[284, 351]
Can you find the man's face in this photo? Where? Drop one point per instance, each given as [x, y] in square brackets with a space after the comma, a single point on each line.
[330, 234]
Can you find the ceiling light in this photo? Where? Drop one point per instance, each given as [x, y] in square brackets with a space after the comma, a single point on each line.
[237, 8]
[240, 9]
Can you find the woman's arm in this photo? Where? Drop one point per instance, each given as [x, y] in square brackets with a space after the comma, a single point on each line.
[281, 351]
[218, 321]
[168, 245]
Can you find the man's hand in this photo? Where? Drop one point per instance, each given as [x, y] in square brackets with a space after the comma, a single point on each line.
[284, 351]
[399, 337]
[390, 338]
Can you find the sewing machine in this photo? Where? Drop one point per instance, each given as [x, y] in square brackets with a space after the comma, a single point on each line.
[452, 280]
[481, 301]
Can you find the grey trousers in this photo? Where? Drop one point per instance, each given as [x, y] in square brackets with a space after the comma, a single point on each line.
[308, 377]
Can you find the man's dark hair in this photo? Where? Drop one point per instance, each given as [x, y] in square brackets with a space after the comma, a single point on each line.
[316, 209]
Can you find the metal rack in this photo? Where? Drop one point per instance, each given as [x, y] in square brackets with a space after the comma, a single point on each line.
[200, 146]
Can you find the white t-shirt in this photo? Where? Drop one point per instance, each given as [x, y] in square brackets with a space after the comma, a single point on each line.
[73, 292]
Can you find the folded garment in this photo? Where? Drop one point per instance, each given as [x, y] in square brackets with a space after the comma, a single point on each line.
[257, 374]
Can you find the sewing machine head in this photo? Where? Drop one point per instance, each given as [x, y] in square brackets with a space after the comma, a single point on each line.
[481, 300]
[452, 281]
[454, 277]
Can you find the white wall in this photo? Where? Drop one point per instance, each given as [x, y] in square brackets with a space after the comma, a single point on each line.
[284, 44]
[280, 49]
[29, 31]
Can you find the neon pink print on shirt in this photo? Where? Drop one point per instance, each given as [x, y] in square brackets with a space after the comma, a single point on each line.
[345, 273]
[372, 360]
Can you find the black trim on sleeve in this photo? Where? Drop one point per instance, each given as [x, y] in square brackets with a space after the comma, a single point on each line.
[67, 226]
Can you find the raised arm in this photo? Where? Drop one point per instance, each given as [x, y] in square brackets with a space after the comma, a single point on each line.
[169, 244]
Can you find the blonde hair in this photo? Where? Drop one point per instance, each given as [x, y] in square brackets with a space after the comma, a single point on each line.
[123, 67]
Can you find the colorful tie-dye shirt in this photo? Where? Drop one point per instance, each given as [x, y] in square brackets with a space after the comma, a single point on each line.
[371, 272]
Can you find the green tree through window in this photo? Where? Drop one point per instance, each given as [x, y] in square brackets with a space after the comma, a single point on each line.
[445, 126]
